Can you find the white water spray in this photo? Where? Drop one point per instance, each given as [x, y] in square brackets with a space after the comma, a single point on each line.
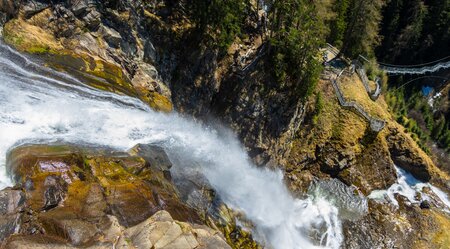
[37, 104]
[411, 188]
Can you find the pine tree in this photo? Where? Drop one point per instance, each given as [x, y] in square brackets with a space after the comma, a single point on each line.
[361, 35]
[339, 24]
[296, 36]
[219, 19]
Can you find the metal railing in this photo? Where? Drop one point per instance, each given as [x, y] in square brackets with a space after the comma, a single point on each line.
[376, 125]
[397, 70]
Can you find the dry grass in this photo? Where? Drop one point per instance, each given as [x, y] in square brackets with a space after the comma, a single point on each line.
[354, 90]
[29, 38]
[346, 129]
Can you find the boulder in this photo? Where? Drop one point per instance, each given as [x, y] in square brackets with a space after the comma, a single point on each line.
[110, 35]
[69, 192]
[11, 204]
[54, 191]
[425, 205]
[10, 201]
[31, 8]
[132, 204]
[154, 156]
[39, 160]
[8, 9]
[76, 230]
[80, 8]
[92, 19]
[35, 242]
[9, 224]
[407, 156]
[160, 231]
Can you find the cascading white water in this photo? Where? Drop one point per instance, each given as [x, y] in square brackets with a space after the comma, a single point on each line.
[37, 104]
[411, 188]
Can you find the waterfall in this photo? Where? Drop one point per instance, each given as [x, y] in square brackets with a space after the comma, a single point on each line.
[38, 105]
[413, 189]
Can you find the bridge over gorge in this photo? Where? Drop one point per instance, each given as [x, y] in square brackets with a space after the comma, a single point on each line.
[419, 69]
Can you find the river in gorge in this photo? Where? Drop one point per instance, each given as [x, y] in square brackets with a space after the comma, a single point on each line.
[39, 105]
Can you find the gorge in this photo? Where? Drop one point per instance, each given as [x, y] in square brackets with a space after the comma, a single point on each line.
[37, 107]
[215, 124]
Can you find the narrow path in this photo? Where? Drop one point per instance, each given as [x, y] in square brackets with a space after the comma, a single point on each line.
[376, 125]
[361, 71]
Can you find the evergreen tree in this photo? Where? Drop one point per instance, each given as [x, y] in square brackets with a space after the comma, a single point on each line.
[361, 35]
[415, 31]
[339, 24]
[219, 19]
[296, 36]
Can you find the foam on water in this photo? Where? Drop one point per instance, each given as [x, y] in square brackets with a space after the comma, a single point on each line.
[37, 104]
[411, 188]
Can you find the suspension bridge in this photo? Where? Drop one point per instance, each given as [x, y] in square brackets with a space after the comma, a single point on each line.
[419, 69]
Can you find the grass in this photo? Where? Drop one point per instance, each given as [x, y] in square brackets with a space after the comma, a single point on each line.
[342, 128]
[354, 90]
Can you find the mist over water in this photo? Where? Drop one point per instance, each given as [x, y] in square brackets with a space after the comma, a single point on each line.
[37, 104]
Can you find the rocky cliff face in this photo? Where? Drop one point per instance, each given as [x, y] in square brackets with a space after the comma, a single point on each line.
[149, 49]
[69, 196]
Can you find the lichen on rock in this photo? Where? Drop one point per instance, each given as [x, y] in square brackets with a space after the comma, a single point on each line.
[75, 196]
[95, 59]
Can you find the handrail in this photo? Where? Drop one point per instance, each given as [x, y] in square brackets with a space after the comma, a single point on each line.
[332, 49]
[363, 76]
[421, 70]
[411, 69]
[375, 124]
[415, 65]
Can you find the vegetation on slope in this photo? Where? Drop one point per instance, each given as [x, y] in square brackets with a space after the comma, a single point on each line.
[295, 38]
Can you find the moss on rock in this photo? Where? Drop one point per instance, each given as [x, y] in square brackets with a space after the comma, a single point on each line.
[28, 38]
[83, 177]
[62, 54]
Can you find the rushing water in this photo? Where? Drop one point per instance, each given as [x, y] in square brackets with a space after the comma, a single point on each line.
[40, 105]
[411, 188]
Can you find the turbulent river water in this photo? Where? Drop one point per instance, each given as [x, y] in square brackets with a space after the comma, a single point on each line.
[38, 105]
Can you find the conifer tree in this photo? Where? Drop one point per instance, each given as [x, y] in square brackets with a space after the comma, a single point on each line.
[296, 36]
[362, 33]
[339, 24]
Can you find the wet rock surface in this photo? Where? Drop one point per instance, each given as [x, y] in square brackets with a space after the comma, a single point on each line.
[142, 48]
[95, 197]
[160, 231]
[407, 158]
[93, 40]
